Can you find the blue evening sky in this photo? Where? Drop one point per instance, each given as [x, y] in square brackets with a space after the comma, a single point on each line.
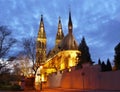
[97, 20]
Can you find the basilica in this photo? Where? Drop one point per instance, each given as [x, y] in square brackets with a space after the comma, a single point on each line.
[58, 67]
[62, 56]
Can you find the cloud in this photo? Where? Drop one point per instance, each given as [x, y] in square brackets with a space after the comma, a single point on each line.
[97, 20]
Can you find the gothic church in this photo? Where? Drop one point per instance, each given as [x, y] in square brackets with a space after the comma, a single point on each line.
[64, 53]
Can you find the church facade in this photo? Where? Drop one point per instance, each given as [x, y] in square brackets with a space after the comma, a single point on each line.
[62, 56]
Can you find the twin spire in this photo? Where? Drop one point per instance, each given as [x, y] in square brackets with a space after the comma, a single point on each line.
[70, 26]
[41, 39]
[59, 32]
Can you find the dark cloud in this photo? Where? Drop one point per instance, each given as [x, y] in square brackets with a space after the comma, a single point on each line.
[97, 20]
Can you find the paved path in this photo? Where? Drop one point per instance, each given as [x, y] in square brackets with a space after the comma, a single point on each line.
[75, 90]
[63, 90]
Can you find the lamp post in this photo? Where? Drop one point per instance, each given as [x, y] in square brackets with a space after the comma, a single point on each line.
[41, 67]
[40, 81]
[83, 78]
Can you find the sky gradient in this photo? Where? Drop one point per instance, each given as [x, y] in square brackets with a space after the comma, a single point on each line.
[97, 20]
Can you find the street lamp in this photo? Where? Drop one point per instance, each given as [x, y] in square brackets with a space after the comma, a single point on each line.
[41, 67]
[40, 81]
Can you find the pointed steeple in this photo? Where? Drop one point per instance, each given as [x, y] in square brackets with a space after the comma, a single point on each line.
[70, 23]
[41, 43]
[60, 34]
[42, 33]
[59, 24]
[41, 22]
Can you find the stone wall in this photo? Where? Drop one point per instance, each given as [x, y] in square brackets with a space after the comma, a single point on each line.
[89, 77]
[54, 80]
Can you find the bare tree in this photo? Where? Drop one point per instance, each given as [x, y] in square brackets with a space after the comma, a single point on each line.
[6, 41]
[29, 45]
[22, 65]
[3, 68]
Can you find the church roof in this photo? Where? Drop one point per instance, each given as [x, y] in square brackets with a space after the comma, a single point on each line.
[68, 43]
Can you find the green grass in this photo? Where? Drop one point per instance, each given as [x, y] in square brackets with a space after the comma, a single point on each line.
[10, 87]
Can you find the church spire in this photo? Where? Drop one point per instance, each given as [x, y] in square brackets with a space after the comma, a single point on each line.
[59, 35]
[41, 43]
[41, 18]
[42, 29]
[41, 22]
[70, 23]
[59, 23]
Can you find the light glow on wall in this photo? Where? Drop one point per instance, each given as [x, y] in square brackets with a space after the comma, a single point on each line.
[61, 61]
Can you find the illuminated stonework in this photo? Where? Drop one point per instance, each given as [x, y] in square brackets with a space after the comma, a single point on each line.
[41, 44]
[62, 60]
[60, 34]
[62, 56]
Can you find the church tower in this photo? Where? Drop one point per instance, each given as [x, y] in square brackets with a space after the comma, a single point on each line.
[41, 44]
[60, 34]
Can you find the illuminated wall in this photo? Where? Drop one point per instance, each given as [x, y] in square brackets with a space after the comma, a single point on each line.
[93, 79]
[61, 61]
